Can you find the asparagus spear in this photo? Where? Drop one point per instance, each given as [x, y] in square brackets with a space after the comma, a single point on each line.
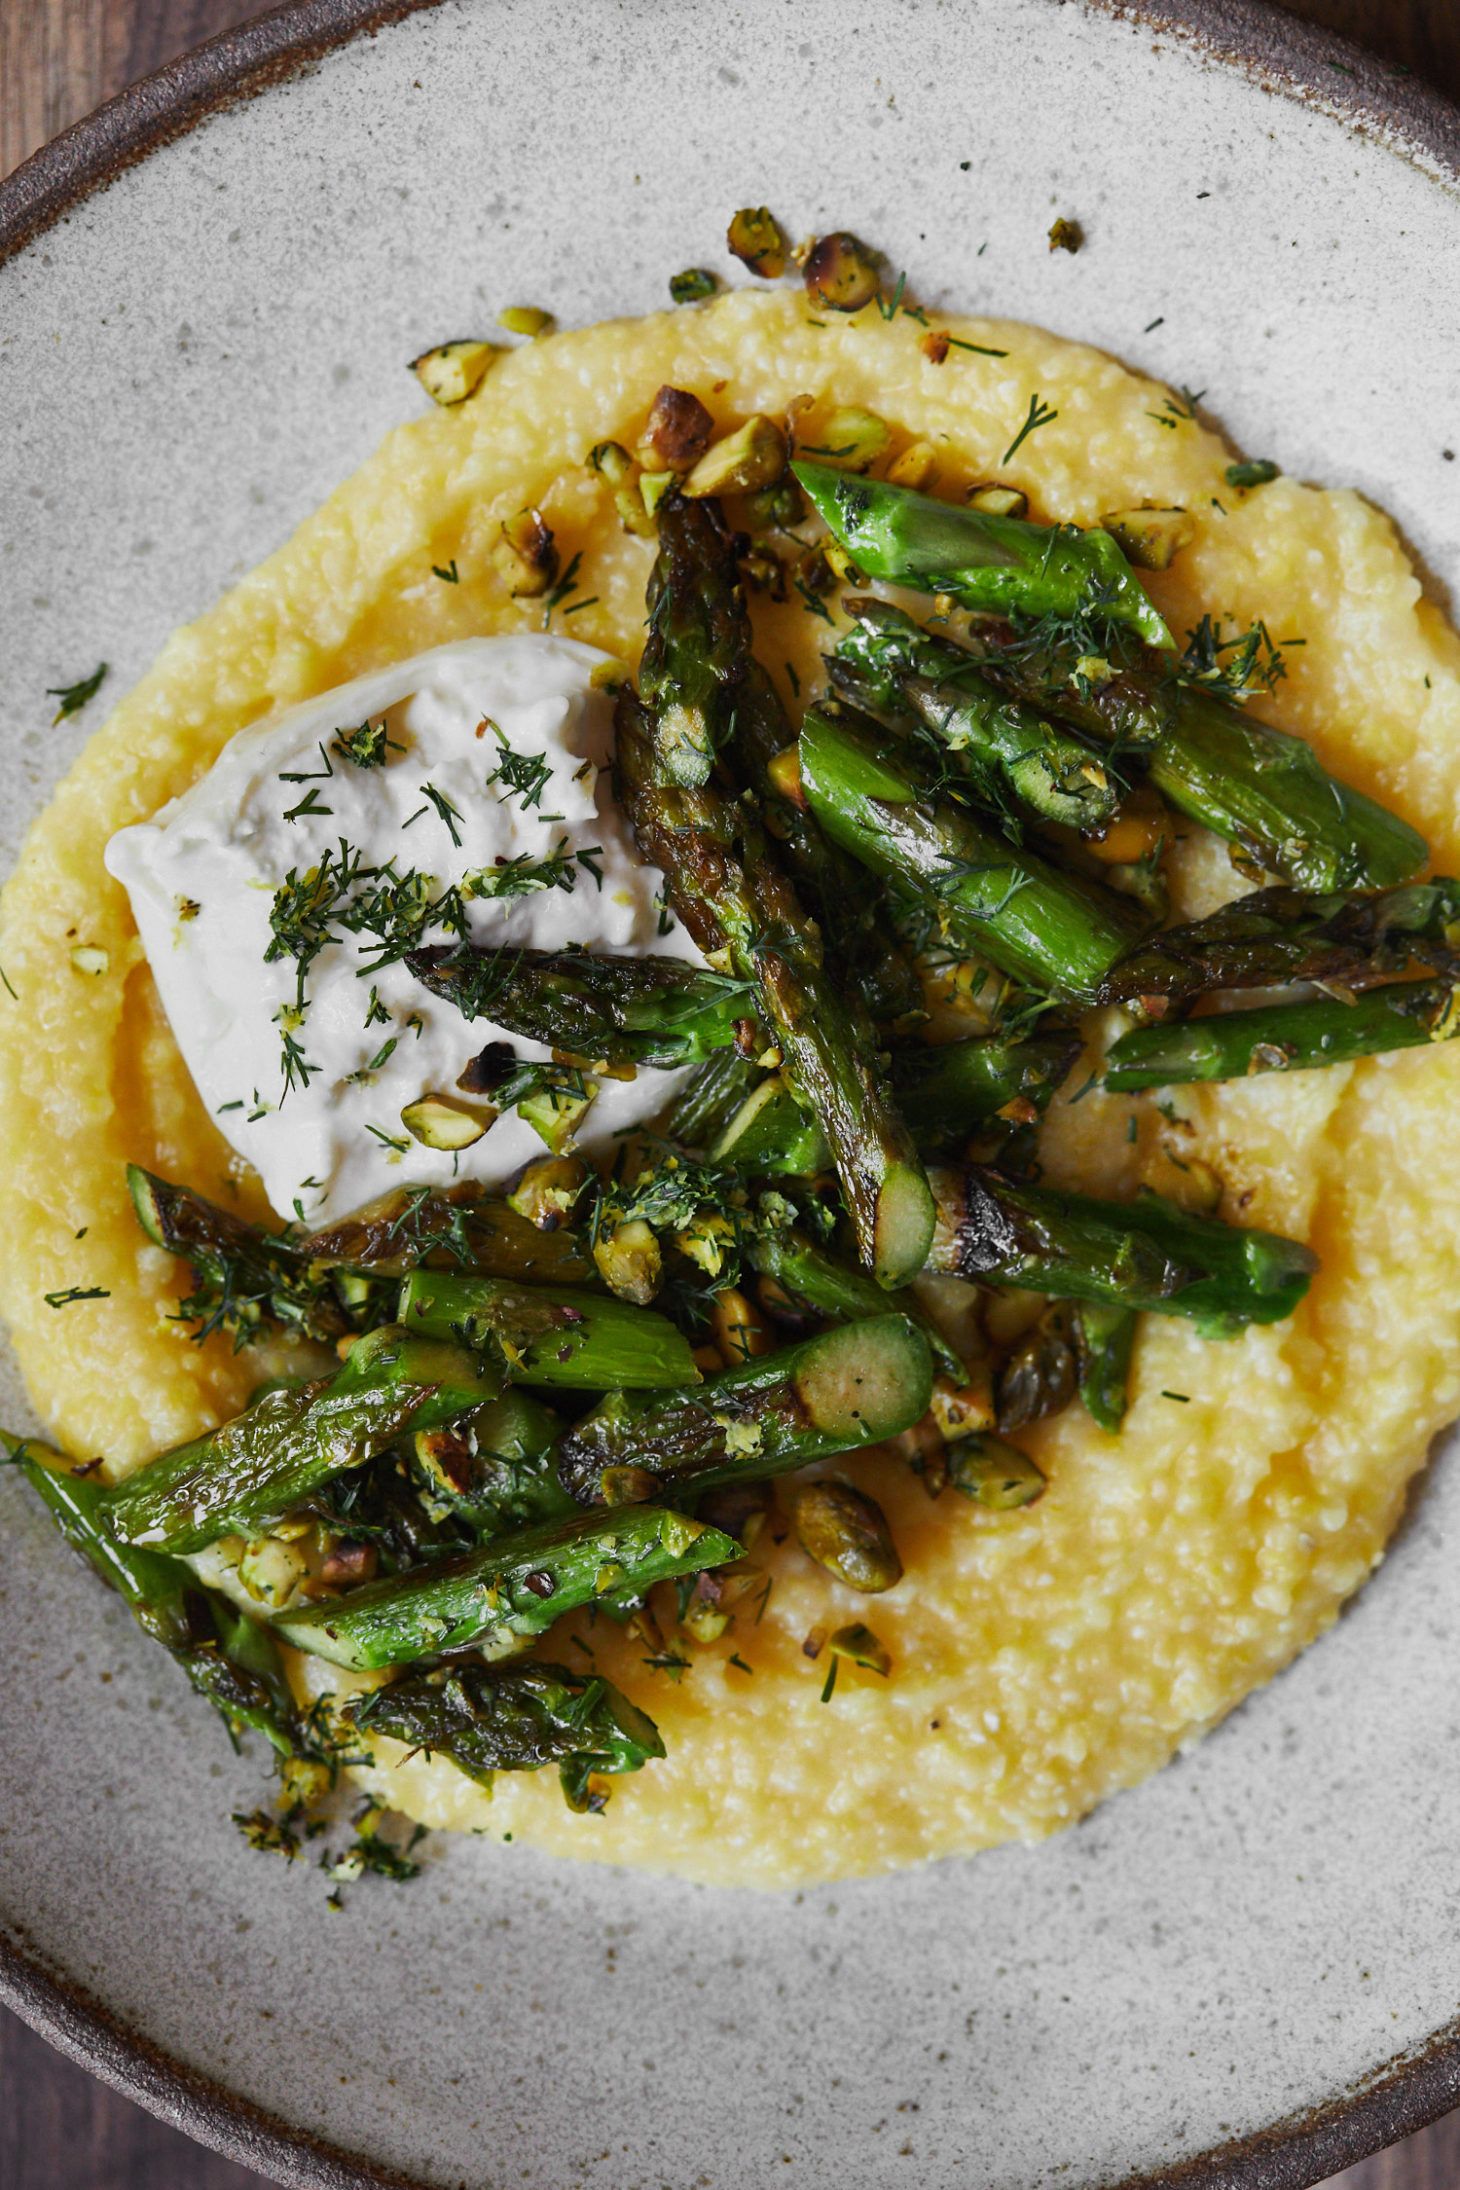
[1105, 1337]
[1279, 935]
[1284, 1037]
[730, 891]
[603, 1009]
[460, 1225]
[770, 1133]
[1050, 929]
[852, 917]
[500, 1598]
[1002, 564]
[949, 1092]
[239, 1479]
[1142, 1254]
[703, 1108]
[581, 1341]
[830, 1394]
[490, 1719]
[889, 665]
[244, 1277]
[1258, 787]
[494, 1469]
[833, 1288]
[230, 1659]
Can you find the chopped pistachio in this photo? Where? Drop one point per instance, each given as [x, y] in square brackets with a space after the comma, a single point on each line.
[1066, 235]
[753, 456]
[679, 428]
[271, 1571]
[1149, 538]
[524, 319]
[453, 370]
[764, 571]
[1040, 1375]
[738, 1329]
[997, 500]
[629, 1261]
[777, 507]
[841, 273]
[708, 1242]
[693, 285]
[613, 462]
[755, 237]
[854, 438]
[915, 467]
[653, 486]
[89, 958]
[677, 1532]
[555, 1112]
[858, 1643]
[993, 1473]
[846, 1532]
[526, 555]
[440, 1121]
[547, 1190]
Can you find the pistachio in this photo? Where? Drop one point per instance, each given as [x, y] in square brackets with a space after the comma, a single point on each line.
[992, 1473]
[613, 462]
[524, 319]
[847, 1533]
[739, 1330]
[858, 1643]
[1147, 537]
[526, 555]
[1039, 1377]
[753, 456]
[841, 273]
[679, 428]
[693, 285]
[755, 237]
[90, 959]
[915, 467]
[854, 438]
[547, 1190]
[440, 1121]
[629, 1261]
[1065, 235]
[453, 370]
[784, 770]
[996, 500]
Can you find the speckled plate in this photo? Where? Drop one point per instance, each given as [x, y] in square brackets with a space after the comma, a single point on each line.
[1243, 1973]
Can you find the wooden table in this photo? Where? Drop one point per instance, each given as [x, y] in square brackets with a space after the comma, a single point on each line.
[59, 2129]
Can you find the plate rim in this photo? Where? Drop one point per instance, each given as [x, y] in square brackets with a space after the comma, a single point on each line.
[1282, 54]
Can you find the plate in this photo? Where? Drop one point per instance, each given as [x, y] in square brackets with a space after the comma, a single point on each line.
[1242, 1973]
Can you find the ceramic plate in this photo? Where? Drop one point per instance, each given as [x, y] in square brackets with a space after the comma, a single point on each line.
[195, 345]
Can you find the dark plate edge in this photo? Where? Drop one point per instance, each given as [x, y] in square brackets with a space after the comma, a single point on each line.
[1283, 54]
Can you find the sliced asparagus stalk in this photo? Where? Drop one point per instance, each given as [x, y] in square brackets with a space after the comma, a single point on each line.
[494, 1468]
[1280, 935]
[241, 1478]
[833, 1288]
[1050, 929]
[732, 894]
[229, 1658]
[581, 1341]
[830, 1394]
[1258, 787]
[459, 1225]
[1284, 1037]
[606, 1010]
[889, 665]
[704, 1107]
[490, 1719]
[1002, 564]
[1105, 1337]
[245, 1277]
[1143, 1254]
[500, 1598]
[770, 1133]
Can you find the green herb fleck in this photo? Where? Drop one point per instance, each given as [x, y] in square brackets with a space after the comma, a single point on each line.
[1040, 414]
[692, 286]
[73, 697]
[73, 1293]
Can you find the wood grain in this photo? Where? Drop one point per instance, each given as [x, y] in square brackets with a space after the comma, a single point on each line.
[59, 2128]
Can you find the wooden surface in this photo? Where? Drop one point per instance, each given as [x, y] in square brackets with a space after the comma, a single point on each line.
[59, 2129]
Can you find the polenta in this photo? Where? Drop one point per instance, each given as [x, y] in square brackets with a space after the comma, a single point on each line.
[1038, 1657]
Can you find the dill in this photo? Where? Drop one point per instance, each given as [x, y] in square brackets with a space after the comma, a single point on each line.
[389, 1140]
[309, 775]
[1179, 409]
[561, 590]
[1248, 662]
[307, 806]
[366, 746]
[525, 775]
[979, 349]
[368, 1072]
[450, 576]
[73, 697]
[376, 1014]
[1039, 414]
[11, 991]
[446, 811]
[817, 606]
[520, 877]
[73, 1293]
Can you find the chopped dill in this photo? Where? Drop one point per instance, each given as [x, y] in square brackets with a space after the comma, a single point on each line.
[1039, 414]
[73, 697]
[366, 746]
[450, 576]
[70, 1294]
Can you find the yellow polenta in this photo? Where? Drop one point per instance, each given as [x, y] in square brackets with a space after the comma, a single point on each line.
[1040, 1658]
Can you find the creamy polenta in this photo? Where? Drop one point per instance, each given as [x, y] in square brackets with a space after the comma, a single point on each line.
[1040, 1658]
